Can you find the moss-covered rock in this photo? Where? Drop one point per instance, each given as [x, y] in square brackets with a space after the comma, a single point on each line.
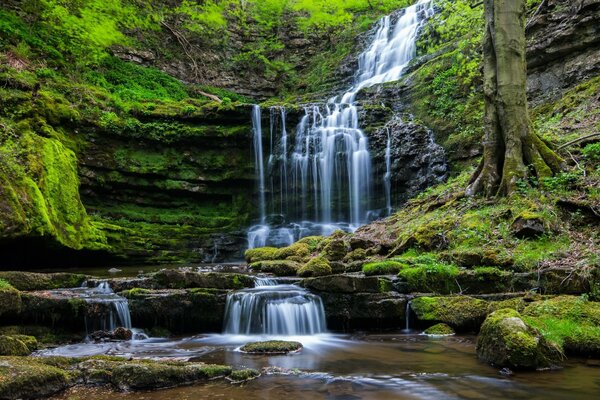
[277, 267]
[28, 377]
[344, 284]
[296, 252]
[243, 375]
[439, 329]
[183, 279]
[10, 298]
[573, 323]
[385, 267]
[313, 242]
[318, 266]
[505, 340]
[271, 347]
[335, 249]
[40, 281]
[434, 277]
[463, 313]
[12, 346]
[260, 254]
[42, 334]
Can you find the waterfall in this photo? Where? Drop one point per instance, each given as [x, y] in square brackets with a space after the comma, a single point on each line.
[321, 179]
[387, 178]
[118, 315]
[274, 310]
[258, 159]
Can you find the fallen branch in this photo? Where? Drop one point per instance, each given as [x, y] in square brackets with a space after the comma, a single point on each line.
[575, 141]
[535, 14]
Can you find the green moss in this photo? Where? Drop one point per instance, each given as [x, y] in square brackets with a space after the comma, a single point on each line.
[335, 249]
[271, 347]
[27, 377]
[437, 278]
[277, 267]
[13, 346]
[317, 266]
[260, 254]
[312, 242]
[41, 281]
[573, 308]
[243, 375]
[463, 313]
[385, 267]
[296, 252]
[506, 340]
[439, 329]
[10, 298]
[42, 334]
[135, 292]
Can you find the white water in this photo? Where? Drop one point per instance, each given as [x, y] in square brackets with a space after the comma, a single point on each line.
[119, 315]
[325, 183]
[280, 310]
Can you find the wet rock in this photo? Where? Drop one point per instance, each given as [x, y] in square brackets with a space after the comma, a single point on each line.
[505, 340]
[118, 334]
[463, 313]
[178, 310]
[318, 266]
[181, 279]
[30, 377]
[243, 375]
[367, 311]
[344, 284]
[272, 347]
[12, 346]
[439, 329]
[528, 226]
[40, 281]
[10, 300]
[277, 267]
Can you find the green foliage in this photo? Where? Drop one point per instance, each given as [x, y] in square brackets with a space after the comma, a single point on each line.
[592, 152]
[385, 267]
[434, 277]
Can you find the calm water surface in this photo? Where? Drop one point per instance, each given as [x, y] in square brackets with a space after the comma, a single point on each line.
[344, 368]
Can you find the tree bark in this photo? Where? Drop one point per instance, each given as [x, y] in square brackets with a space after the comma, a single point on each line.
[511, 150]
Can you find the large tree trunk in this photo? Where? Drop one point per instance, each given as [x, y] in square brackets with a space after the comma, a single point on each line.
[511, 150]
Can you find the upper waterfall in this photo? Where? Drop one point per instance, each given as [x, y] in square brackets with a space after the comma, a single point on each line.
[321, 179]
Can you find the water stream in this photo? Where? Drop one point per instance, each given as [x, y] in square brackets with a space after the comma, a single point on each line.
[323, 181]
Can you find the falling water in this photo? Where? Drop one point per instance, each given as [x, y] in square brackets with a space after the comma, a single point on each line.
[274, 310]
[326, 181]
[387, 178]
[118, 315]
[407, 316]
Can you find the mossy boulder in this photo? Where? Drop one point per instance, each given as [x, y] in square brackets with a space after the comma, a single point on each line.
[296, 252]
[30, 377]
[506, 340]
[344, 284]
[463, 313]
[439, 329]
[40, 281]
[277, 267]
[385, 267]
[260, 254]
[318, 266]
[528, 225]
[476, 256]
[573, 323]
[10, 298]
[313, 242]
[12, 346]
[243, 375]
[183, 279]
[153, 375]
[335, 249]
[271, 347]
[431, 278]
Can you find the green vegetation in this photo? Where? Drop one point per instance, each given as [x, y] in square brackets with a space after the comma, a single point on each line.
[462, 313]
[271, 347]
[317, 266]
[439, 330]
[385, 267]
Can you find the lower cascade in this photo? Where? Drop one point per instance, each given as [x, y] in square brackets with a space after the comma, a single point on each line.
[274, 309]
[118, 315]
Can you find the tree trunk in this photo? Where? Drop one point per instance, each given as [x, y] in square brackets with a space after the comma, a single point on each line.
[511, 150]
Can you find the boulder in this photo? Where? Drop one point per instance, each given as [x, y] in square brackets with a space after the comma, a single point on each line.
[318, 266]
[277, 267]
[463, 313]
[345, 284]
[528, 226]
[505, 340]
[271, 347]
[12, 346]
[439, 329]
